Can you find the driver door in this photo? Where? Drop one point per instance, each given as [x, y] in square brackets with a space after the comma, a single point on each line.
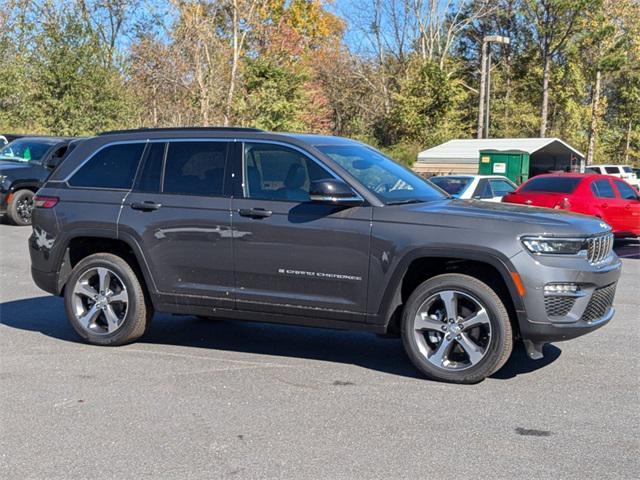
[293, 256]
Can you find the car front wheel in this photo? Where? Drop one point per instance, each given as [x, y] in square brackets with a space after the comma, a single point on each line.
[21, 207]
[456, 329]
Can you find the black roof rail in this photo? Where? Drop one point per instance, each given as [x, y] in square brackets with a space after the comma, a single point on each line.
[165, 129]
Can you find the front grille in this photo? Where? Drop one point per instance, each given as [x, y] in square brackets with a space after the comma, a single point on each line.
[599, 248]
[600, 302]
[558, 306]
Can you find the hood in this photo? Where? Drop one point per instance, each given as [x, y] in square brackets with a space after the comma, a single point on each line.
[8, 165]
[497, 218]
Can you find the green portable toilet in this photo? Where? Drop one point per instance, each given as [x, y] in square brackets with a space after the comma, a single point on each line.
[513, 164]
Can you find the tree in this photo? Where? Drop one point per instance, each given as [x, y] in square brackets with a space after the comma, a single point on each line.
[553, 22]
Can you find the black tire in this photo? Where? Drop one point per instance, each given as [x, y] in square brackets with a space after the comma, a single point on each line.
[20, 208]
[137, 317]
[500, 342]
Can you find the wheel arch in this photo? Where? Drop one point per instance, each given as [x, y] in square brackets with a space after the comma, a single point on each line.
[424, 263]
[88, 242]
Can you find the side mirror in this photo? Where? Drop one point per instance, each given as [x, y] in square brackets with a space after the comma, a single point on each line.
[52, 162]
[334, 192]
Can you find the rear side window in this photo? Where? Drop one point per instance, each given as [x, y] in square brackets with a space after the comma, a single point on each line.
[483, 190]
[452, 185]
[151, 175]
[551, 184]
[112, 167]
[501, 187]
[626, 191]
[602, 189]
[627, 169]
[614, 170]
[195, 168]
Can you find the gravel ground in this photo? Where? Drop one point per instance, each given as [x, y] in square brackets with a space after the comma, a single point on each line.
[207, 399]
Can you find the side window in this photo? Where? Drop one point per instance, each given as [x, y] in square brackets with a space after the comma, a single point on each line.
[602, 189]
[501, 187]
[483, 190]
[612, 170]
[625, 190]
[151, 175]
[112, 167]
[195, 168]
[274, 172]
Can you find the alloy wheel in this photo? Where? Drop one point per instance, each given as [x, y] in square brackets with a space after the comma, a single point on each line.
[452, 330]
[24, 207]
[100, 300]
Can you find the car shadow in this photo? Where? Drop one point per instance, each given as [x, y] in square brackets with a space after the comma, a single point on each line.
[628, 248]
[46, 316]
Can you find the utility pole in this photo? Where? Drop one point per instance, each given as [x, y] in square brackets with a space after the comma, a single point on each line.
[485, 83]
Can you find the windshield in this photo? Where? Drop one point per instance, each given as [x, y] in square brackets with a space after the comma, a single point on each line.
[25, 150]
[452, 185]
[387, 179]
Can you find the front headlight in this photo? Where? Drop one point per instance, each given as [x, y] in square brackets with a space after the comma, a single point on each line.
[2, 178]
[560, 246]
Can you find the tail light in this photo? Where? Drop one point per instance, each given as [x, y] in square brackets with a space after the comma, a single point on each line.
[563, 204]
[45, 202]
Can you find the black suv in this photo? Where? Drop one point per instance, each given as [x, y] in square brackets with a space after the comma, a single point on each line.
[310, 230]
[25, 163]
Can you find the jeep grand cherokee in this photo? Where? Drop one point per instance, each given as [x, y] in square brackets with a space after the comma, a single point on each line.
[310, 230]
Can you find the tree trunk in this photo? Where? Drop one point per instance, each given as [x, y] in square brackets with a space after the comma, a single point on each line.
[544, 111]
[234, 66]
[481, 91]
[595, 111]
[628, 144]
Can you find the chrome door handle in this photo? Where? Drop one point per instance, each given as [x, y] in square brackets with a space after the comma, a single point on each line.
[255, 212]
[146, 206]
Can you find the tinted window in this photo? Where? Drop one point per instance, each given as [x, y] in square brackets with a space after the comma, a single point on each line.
[195, 168]
[602, 189]
[151, 175]
[614, 170]
[627, 169]
[501, 187]
[452, 185]
[390, 181]
[551, 184]
[112, 167]
[483, 190]
[626, 191]
[274, 172]
[592, 170]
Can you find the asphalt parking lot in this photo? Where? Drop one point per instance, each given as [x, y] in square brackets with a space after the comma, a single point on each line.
[205, 399]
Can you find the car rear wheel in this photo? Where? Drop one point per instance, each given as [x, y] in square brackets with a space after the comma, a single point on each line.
[456, 329]
[105, 302]
[21, 207]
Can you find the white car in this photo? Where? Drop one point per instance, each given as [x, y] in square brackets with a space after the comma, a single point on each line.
[481, 187]
[624, 172]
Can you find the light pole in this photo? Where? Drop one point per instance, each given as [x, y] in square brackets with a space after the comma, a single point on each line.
[485, 82]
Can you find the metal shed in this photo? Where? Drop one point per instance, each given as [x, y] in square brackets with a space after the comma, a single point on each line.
[463, 156]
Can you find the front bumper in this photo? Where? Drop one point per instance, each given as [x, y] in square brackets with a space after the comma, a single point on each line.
[557, 317]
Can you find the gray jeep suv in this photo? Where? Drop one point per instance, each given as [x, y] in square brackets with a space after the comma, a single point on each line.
[310, 230]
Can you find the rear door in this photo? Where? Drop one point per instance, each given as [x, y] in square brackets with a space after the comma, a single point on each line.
[292, 256]
[500, 188]
[605, 201]
[627, 211]
[179, 214]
